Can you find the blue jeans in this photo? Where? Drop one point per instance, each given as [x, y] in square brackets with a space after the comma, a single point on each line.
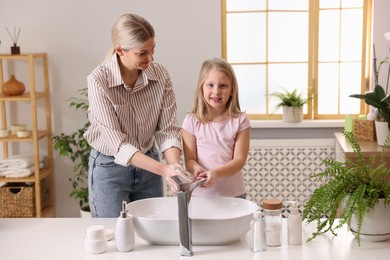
[109, 184]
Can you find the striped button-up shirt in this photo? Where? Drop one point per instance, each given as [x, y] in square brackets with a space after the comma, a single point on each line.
[125, 120]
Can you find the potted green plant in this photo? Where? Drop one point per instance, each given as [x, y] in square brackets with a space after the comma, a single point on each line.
[356, 186]
[292, 104]
[379, 98]
[74, 147]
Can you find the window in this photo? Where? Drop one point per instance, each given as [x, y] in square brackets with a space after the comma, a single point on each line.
[319, 47]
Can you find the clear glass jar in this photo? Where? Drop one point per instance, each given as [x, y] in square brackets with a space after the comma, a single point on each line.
[272, 210]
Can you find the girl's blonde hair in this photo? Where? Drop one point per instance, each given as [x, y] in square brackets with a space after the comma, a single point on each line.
[129, 31]
[201, 108]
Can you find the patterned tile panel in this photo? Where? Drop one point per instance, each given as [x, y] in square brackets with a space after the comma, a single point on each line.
[284, 172]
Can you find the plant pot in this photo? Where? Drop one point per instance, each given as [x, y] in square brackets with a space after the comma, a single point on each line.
[85, 213]
[292, 114]
[376, 223]
[382, 132]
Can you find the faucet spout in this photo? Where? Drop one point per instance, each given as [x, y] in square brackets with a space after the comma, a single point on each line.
[185, 228]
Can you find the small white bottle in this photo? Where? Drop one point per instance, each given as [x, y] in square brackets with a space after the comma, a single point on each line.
[124, 231]
[294, 225]
[372, 115]
[258, 243]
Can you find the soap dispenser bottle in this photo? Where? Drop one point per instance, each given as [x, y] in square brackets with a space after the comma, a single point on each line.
[258, 242]
[294, 225]
[124, 231]
[348, 123]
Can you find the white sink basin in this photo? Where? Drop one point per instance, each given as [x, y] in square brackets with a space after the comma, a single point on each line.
[215, 221]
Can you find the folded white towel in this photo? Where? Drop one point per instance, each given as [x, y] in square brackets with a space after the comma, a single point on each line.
[15, 172]
[19, 161]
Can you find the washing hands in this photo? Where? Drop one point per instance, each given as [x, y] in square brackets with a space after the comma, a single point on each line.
[208, 177]
[176, 170]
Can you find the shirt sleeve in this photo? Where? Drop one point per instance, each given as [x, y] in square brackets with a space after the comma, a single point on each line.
[245, 122]
[103, 116]
[188, 123]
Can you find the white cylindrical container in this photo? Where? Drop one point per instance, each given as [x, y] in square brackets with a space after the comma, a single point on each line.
[294, 226]
[258, 243]
[3, 133]
[95, 232]
[124, 231]
[95, 240]
[16, 128]
[272, 209]
[23, 133]
[95, 246]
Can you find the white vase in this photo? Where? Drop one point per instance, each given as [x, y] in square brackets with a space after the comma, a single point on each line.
[85, 214]
[376, 223]
[382, 132]
[292, 114]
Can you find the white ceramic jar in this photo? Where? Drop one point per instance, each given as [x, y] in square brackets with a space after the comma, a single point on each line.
[95, 239]
[16, 128]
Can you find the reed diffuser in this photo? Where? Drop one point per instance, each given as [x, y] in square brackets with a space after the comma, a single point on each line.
[15, 49]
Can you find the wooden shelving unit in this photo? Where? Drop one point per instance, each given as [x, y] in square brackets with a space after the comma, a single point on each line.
[32, 95]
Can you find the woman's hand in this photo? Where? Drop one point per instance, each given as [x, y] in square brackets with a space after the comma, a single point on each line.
[173, 170]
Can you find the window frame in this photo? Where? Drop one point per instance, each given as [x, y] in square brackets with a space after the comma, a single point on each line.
[313, 63]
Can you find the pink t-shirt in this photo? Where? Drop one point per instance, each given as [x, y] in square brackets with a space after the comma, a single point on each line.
[215, 146]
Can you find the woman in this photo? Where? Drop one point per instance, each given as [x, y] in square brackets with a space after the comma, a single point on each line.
[132, 109]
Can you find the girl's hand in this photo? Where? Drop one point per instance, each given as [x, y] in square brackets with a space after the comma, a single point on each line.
[210, 178]
[198, 171]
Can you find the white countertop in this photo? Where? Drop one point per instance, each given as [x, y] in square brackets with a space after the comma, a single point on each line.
[63, 238]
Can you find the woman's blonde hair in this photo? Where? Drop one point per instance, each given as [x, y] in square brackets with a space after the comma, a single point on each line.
[201, 108]
[129, 31]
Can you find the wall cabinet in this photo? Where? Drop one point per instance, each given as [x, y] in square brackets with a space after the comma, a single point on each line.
[37, 98]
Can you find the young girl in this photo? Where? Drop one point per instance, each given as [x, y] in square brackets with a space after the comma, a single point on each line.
[216, 133]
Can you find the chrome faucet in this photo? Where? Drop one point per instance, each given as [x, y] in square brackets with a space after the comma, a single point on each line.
[183, 199]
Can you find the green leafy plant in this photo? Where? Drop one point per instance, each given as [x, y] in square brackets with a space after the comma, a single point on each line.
[289, 98]
[356, 184]
[379, 97]
[74, 147]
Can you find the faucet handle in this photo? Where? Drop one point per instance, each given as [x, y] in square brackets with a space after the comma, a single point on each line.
[197, 183]
[185, 175]
[180, 181]
[177, 179]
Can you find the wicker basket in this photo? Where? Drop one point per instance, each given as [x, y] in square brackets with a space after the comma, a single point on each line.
[18, 200]
[364, 130]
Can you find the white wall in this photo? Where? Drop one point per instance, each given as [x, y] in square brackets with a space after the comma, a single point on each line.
[380, 26]
[76, 36]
